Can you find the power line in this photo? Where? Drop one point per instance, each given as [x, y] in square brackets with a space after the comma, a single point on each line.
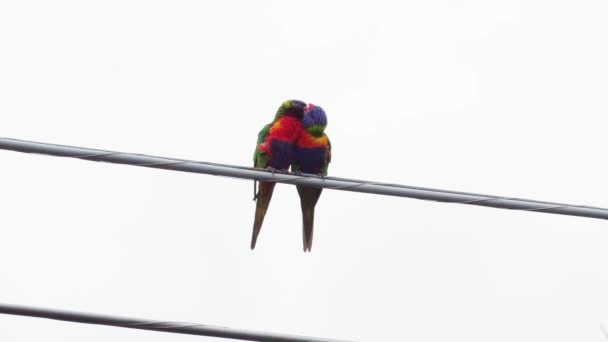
[164, 326]
[307, 180]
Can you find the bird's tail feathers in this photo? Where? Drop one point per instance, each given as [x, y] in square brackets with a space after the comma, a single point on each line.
[261, 206]
[308, 218]
[308, 201]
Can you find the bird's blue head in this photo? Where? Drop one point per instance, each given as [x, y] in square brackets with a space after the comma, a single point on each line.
[314, 120]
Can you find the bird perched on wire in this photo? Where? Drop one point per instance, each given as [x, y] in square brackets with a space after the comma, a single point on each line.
[312, 155]
[274, 151]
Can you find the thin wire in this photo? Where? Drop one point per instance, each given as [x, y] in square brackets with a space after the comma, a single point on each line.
[335, 183]
[477, 200]
[164, 326]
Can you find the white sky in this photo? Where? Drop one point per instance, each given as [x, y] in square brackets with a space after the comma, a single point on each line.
[498, 97]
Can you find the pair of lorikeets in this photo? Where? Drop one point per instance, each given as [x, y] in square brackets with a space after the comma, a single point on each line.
[294, 138]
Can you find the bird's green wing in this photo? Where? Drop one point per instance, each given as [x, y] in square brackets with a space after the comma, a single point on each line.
[259, 158]
[327, 158]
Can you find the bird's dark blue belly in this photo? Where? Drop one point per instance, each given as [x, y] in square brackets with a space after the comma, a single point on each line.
[282, 154]
[310, 160]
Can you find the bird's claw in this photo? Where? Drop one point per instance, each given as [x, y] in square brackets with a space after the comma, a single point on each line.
[275, 170]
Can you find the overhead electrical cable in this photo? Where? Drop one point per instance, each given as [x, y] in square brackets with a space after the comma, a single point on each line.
[164, 326]
[334, 183]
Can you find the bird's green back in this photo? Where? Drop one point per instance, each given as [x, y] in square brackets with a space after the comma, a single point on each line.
[260, 160]
[327, 157]
[261, 137]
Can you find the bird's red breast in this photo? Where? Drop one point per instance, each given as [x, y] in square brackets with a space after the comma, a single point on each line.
[286, 128]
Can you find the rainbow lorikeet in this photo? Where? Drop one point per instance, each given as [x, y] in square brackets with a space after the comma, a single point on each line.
[274, 151]
[312, 155]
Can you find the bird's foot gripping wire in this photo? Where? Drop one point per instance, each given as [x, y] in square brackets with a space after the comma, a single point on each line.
[275, 170]
[255, 182]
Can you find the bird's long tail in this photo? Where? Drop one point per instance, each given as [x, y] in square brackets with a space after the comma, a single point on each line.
[308, 201]
[263, 197]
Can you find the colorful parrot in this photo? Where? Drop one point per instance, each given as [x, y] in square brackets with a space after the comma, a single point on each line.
[312, 155]
[274, 151]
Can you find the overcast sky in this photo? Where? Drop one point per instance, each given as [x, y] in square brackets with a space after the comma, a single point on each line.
[498, 97]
